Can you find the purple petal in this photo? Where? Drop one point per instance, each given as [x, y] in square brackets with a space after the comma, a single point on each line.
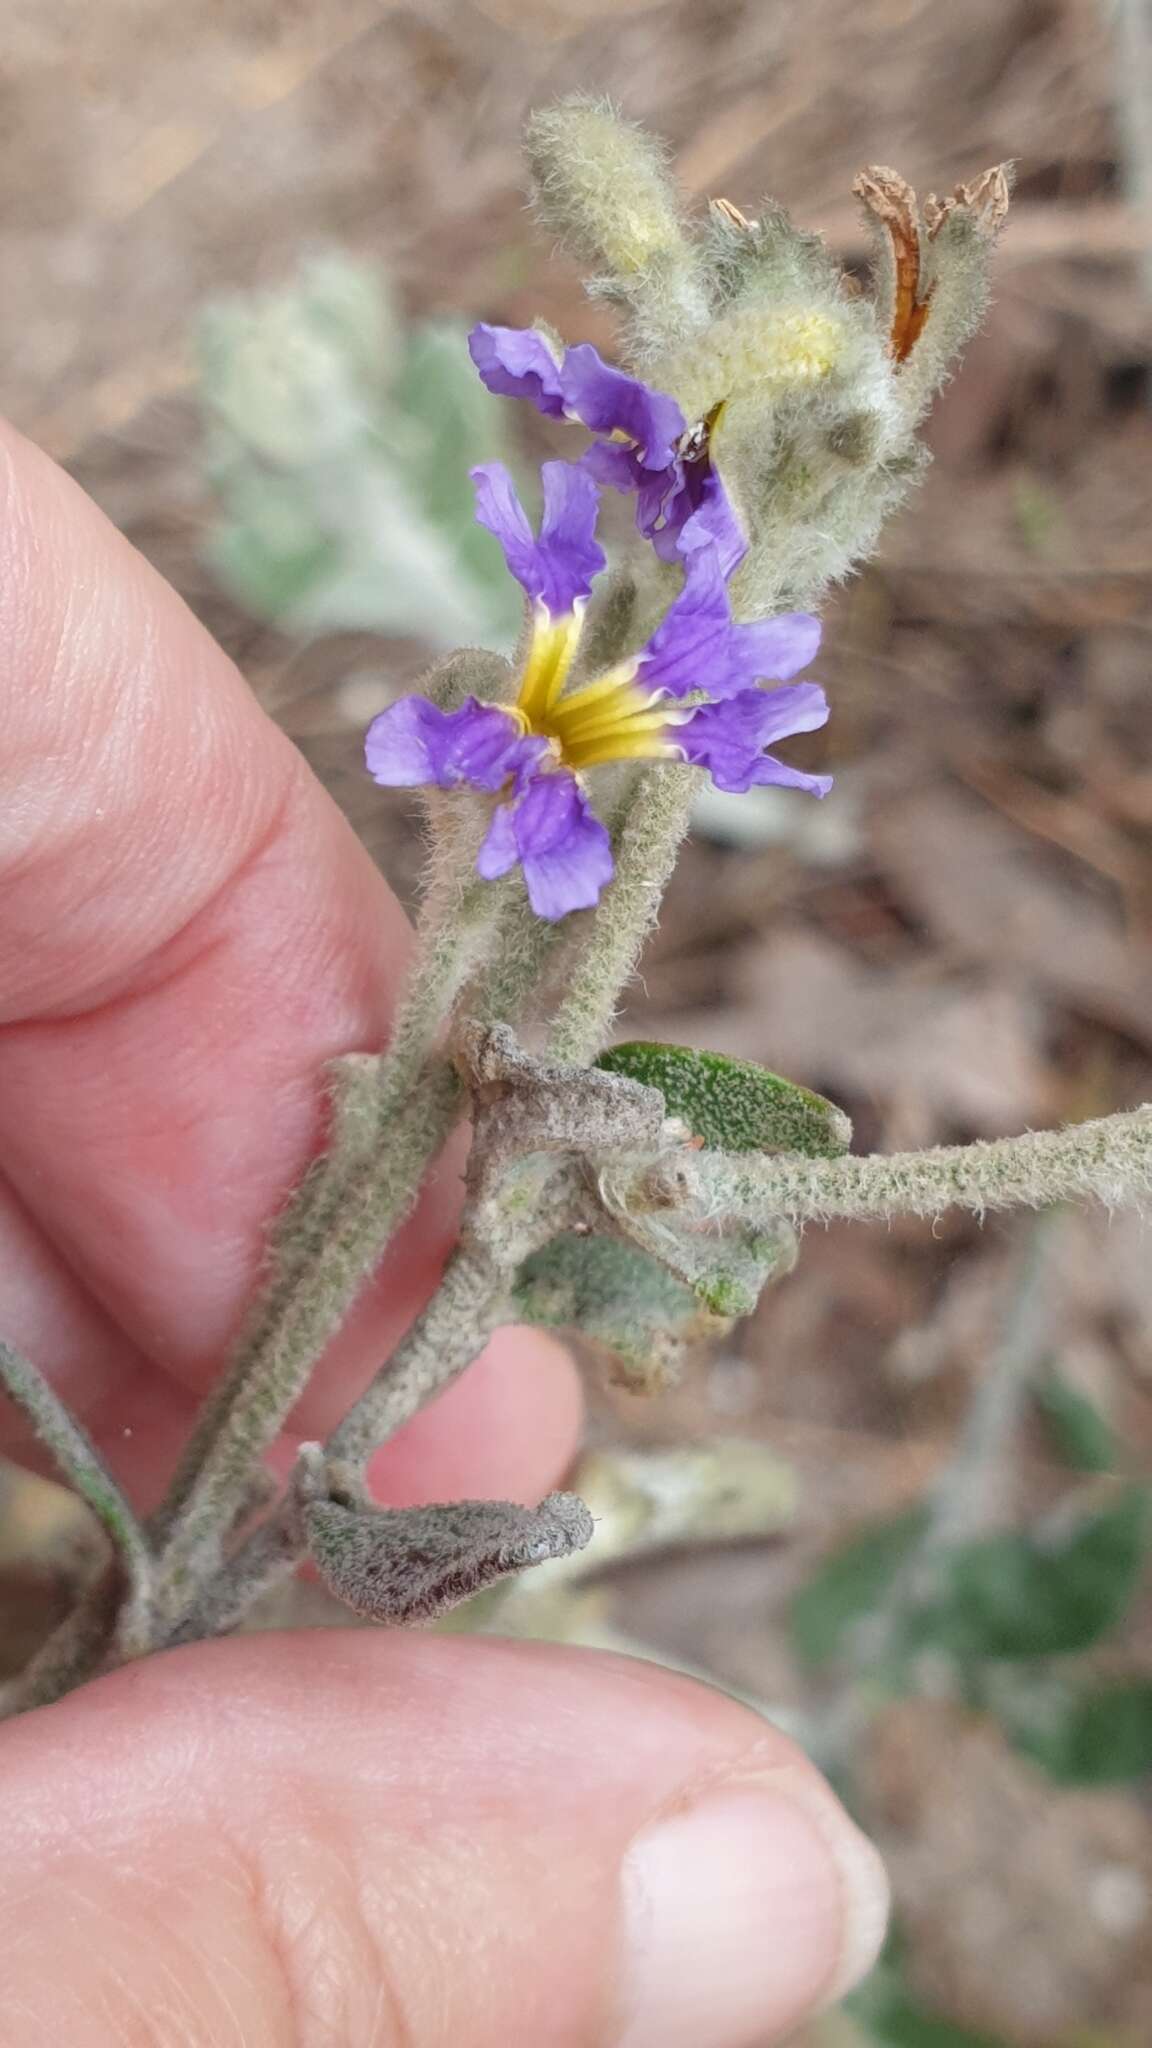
[729, 738]
[690, 648]
[499, 850]
[611, 463]
[558, 568]
[698, 646]
[609, 402]
[772, 770]
[701, 515]
[568, 532]
[656, 492]
[794, 707]
[565, 851]
[782, 646]
[516, 362]
[414, 743]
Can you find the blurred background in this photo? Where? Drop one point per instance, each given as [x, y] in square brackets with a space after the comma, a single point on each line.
[241, 243]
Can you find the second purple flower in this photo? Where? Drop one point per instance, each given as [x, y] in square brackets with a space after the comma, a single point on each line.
[690, 694]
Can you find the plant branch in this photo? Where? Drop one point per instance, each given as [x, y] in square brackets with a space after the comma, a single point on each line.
[454, 1328]
[273, 1367]
[470, 1301]
[387, 1123]
[1108, 1160]
[645, 857]
[80, 1464]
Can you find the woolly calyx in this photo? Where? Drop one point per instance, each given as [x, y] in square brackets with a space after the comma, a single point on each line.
[931, 271]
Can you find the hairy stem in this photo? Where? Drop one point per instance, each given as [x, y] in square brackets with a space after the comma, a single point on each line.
[80, 1464]
[1108, 1160]
[645, 857]
[387, 1124]
[454, 1328]
[270, 1373]
[74, 1652]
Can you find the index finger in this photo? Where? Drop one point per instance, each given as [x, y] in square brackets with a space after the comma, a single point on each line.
[189, 931]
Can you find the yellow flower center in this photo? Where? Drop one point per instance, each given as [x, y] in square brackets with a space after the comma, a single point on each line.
[612, 718]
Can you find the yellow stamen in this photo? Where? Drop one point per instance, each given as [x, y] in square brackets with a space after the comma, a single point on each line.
[611, 718]
[550, 657]
[603, 689]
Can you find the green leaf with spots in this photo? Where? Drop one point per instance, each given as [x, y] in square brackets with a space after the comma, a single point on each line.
[732, 1104]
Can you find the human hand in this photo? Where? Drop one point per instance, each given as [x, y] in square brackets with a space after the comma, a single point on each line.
[345, 1837]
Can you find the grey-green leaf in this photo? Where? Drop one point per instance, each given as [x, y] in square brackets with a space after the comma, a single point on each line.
[732, 1104]
[729, 1271]
[340, 449]
[410, 1564]
[622, 1301]
[646, 1308]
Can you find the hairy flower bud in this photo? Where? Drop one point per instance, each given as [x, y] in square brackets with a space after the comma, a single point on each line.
[602, 186]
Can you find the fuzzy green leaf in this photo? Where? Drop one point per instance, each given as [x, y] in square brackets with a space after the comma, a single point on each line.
[646, 1308]
[622, 1301]
[728, 1272]
[732, 1104]
[1036, 1594]
[851, 1583]
[1085, 1440]
[1087, 1735]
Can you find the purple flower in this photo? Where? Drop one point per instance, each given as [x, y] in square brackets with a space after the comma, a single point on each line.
[681, 504]
[556, 570]
[565, 852]
[689, 695]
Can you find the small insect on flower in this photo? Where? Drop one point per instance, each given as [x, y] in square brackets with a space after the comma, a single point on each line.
[643, 443]
[690, 695]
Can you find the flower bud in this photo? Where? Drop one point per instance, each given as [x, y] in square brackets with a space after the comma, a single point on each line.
[601, 184]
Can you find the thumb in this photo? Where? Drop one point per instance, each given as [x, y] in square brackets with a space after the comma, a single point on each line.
[360, 1840]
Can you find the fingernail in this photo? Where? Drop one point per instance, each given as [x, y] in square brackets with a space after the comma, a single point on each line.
[745, 1914]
